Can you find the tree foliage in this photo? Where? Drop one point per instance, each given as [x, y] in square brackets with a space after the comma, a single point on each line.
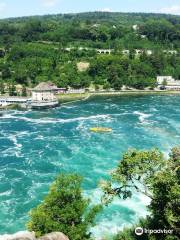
[151, 174]
[34, 49]
[65, 210]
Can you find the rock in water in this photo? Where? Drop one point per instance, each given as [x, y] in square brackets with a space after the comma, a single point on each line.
[54, 236]
[24, 235]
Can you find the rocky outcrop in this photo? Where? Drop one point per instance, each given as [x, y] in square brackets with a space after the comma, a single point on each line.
[25, 235]
[54, 236]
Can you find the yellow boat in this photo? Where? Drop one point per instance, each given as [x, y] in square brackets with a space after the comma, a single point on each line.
[100, 129]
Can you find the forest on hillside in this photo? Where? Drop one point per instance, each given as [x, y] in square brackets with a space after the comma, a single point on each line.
[43, 48]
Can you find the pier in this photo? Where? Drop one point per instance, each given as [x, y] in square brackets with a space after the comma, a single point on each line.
[5, 101]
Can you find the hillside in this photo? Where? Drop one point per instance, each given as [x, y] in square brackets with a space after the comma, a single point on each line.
[39, 48]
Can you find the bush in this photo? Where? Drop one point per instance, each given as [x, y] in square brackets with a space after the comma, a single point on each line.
[64, 210]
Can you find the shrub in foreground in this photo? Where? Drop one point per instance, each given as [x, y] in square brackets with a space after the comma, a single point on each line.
[64, 210]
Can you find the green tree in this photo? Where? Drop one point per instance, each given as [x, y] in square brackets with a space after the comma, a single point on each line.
[12, 89]
[20, 75]
[164, 83]
[2, 53]
[24, 91]
[6, 71]
[165, 203]
[64, 209]
[129, 233]
[107, 86]
[151, 174]
[2, 87]
[114, 79]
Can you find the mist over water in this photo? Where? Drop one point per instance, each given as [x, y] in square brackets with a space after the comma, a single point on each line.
[36, 146]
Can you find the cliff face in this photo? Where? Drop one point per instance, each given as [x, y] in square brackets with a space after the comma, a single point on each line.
[25, 235]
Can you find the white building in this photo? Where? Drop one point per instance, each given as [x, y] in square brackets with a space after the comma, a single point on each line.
[168, 83]
[104, 51]
[135, 27]
[43, 95]
[171, 52]
[149, 52]
[168, 79]
[125, 52]
[80, 90]
[138, 52]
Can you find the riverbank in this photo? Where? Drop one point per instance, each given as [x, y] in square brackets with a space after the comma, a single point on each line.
[69, 98]
[74, 97]
[134, 92]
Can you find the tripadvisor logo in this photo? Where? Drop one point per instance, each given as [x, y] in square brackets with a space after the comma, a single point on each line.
[139, 231]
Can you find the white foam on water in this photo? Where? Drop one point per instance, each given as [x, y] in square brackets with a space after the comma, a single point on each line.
[153, 109]
[6, 193]
[33, 189]
[40, 137]
[69, 106]
[13, 150]
[113, 224]
[7, 116]
[106, 229]
[14, 140]
[55, 120]
[142, 116]
[23, 133]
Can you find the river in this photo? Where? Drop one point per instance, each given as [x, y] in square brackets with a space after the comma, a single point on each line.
[37, 145]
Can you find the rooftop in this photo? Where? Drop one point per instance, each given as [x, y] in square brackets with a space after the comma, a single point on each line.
[45, 86]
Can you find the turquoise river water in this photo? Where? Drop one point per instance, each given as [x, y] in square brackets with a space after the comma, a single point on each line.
[37, 145]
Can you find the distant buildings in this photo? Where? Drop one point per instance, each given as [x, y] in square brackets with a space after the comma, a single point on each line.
[42, 96]
[77, 91]
[125, 52]
[168, 83]
[162, 79]
[171, 52]
[104, 51]
[135, 27]
[109, 51]
[139, 52]
[149, 52]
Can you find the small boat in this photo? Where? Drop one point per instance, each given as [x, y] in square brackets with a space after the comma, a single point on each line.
[100, 129]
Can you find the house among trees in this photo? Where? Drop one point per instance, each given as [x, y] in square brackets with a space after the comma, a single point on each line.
[43, 96]
[168, 83]
[135, 27]
[104, 51]
[126, 52]
[170, 52]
